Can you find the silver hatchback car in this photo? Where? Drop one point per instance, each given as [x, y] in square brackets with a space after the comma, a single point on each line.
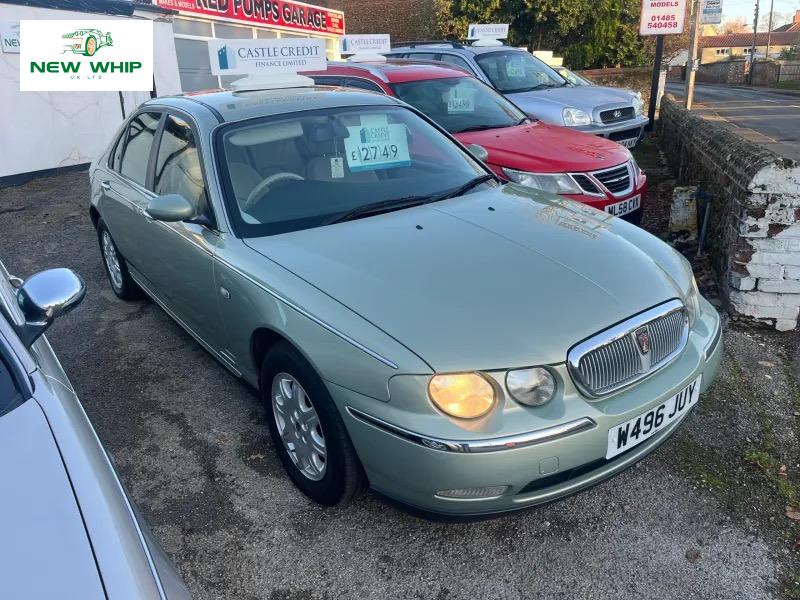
[410, 322]
[535, 87]
[67, 527]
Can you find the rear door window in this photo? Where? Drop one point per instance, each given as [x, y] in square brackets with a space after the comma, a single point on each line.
[455, 60]
[137, 146]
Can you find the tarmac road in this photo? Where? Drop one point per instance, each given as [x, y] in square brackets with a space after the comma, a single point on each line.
[767, 117]
[191, 444]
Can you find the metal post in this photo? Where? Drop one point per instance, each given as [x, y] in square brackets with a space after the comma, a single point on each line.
[753, 49]
[651, 109]
[693, 44]
[769, 27]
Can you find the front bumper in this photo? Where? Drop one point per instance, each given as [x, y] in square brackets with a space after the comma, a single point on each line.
[630, 129]
[412, 469]
[601, 203]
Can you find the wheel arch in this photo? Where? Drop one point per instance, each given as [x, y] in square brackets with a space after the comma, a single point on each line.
[94, 214]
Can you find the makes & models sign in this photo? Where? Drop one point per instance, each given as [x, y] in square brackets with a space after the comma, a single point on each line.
[290, 55]
[276, 13]
[662, 17]
[86, 55]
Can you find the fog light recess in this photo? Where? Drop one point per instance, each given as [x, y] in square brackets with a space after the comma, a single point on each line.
[476, 493]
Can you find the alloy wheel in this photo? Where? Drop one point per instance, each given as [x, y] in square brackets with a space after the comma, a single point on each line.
[299, 426]
[112, 261]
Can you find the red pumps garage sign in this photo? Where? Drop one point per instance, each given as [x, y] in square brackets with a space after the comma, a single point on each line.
[276, 13]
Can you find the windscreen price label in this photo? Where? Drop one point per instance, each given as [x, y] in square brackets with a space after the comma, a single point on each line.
[374, 147]
[662, 17]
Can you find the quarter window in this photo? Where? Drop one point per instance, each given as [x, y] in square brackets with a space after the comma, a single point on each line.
[178, 168]
[363, 84]
[455, 60]
[136, 150]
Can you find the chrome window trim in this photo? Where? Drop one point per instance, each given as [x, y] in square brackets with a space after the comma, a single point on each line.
[615, 332]
[509, 442]
[631, 179]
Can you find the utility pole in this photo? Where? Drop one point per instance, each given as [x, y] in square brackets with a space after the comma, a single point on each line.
[753, 49]
[694, 40]
[651, 109]
[769, 27]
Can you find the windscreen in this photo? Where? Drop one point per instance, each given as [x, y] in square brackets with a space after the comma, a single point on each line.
[516, 71]
[460, 103]
[307, 169]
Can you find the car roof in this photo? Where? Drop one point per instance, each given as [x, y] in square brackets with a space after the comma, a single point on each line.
[236, 106]
[454, 47]
[395, 70]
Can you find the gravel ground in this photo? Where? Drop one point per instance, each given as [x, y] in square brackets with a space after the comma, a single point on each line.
[700, 518]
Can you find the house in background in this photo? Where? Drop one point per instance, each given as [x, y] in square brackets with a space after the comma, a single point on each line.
[716, 48]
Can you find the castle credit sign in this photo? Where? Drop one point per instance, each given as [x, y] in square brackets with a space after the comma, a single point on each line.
[283, 14]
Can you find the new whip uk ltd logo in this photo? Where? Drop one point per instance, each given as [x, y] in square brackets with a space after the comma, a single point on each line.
[81, 56]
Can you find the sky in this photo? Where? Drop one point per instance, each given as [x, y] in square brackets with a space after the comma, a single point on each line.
[731, 9]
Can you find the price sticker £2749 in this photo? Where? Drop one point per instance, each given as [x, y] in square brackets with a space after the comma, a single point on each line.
[377, 146]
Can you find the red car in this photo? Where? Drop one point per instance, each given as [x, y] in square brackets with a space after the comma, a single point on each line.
[584, 167]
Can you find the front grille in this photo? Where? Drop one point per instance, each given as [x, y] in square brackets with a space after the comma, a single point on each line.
[629, 351]
[586, 184]
[616, 180]
[615, 115]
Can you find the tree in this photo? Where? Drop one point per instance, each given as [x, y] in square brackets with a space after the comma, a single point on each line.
[588, 33]
[737, 25]
[778, 19]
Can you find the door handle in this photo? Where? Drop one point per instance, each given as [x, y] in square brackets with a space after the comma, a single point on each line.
[106, 185]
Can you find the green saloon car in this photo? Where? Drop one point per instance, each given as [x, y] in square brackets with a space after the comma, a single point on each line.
[411, 323]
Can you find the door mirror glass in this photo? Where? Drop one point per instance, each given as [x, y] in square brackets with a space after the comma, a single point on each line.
[44, 297]
[478, 152]
[171, 208]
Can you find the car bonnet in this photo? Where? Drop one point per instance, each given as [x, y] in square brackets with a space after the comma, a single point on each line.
[494, 279]
[586, 98]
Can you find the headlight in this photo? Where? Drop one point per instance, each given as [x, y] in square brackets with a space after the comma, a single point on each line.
[576, 116]
[638, 104]
[556, 183]
[693, 302]
[533, 387]
[462, 395]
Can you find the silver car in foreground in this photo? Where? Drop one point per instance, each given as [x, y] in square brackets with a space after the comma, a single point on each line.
[539, 90]
[67, 528]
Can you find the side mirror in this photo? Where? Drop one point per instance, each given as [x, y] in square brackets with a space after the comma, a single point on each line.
[171, 208]
[45, 296]
[478, 152]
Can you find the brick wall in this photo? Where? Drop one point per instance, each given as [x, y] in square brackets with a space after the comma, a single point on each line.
[754, 227]
[728, 71]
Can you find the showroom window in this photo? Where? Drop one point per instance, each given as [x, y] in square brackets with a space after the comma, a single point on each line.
[136, 153]
[194, 66]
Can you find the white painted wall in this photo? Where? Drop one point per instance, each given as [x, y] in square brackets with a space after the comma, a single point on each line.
[46, 130]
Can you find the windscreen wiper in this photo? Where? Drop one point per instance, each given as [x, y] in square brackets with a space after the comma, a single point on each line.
[464, 188]
[478, 128]
[377, 208]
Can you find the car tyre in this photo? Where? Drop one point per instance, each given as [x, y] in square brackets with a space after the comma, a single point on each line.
[338, 478]
[122, 284]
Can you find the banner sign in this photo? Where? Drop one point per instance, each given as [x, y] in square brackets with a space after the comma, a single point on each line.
[86, 55]
[9, 36]
[285, 14]
[355, 44]
[285, 55]
[712, 12]
[492, 31]
[662, 17]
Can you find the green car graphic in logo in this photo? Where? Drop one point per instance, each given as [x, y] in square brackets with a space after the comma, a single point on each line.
[87, 41]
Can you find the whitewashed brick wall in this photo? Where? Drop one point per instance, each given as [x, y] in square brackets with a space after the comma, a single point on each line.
[754, 231]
